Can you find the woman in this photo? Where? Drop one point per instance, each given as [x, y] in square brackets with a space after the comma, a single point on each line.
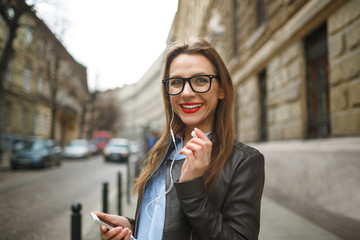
[205, 186]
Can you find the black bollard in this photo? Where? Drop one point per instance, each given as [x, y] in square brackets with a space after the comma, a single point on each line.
[76, 221]
[119, 194]
[105, 197]
[128, 184]
[137, 168]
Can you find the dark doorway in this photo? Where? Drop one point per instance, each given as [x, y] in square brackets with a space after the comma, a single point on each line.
[317, 84]
[263, 107]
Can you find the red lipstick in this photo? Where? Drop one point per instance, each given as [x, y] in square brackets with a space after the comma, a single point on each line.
[191, 107]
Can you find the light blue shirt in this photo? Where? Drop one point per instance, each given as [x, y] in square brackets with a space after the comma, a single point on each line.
[152, 213]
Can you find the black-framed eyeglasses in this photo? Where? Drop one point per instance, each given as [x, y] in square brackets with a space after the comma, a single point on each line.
[198, 83]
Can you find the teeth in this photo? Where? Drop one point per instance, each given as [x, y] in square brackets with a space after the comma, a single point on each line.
[191, 106]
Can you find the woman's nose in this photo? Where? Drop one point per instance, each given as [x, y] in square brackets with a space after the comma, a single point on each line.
[187, 89]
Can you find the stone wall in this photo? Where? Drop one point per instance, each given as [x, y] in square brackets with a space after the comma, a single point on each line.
[285, 79]
[248, 107]
[344, 60]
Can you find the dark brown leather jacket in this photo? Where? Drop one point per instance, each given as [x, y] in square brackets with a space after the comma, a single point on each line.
[230, 211]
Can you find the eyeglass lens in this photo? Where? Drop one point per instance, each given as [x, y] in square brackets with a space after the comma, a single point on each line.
[197, 83]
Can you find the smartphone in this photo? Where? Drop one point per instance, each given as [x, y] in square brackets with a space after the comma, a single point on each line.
[102, 222]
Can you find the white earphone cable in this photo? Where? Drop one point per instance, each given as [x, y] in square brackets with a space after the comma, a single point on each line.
[171, 177]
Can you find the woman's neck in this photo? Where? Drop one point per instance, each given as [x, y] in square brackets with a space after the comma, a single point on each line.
[187, 133]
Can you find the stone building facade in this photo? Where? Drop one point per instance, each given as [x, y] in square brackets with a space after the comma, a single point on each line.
[277, 47]
[141, 105]
[295, 65]
[45, 88]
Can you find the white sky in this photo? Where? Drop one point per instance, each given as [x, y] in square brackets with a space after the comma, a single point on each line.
[117, 40]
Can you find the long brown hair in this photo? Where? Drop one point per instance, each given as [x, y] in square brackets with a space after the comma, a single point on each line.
[222, 135]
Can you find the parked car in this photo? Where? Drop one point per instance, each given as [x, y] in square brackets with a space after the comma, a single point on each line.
[78, 148]
[37, 153]
[136, 150]
[93, 148]
[117, 150]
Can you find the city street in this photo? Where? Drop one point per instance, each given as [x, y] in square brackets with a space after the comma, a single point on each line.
[36, 203]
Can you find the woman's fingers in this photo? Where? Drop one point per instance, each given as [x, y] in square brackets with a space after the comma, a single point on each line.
[117, 234]
[112, 233]
[115, 219]
[103, 229]
[200, 134]
[198, 153]
[201, 148]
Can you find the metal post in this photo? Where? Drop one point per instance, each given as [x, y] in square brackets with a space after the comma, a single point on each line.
[119, 194]
[76, 221]
[128, 184]
[137, 168]
[105, 197]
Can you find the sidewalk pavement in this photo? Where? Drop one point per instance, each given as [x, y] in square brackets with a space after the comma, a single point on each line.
[277, 222]
[128, 210]
[280, 223]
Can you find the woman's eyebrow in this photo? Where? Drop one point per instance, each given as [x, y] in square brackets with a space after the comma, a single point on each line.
[196, 74]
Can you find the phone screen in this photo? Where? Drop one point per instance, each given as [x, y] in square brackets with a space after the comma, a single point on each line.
[107, 222]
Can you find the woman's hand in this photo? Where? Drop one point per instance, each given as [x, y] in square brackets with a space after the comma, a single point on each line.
[123, 231]
[198, 152]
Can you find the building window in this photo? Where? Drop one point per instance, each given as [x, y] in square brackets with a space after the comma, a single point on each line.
[27, 79]
[235, 37]
[39, 81]
[237, 113]
[46, 89]
[39, 84]
[9, 77]
[263, 107]
[29, 36]
[24, 119]
[36, 122]
[7, 114]
[317, 83]
[41, 48]
[260, 12]
[45, 124]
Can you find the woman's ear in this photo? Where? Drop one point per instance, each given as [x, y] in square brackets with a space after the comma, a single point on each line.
[221, 93]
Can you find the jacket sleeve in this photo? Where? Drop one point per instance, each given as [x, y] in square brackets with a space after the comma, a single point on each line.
[132, 223]
[239, 216]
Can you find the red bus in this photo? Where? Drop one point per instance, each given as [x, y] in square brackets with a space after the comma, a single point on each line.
[101, 138]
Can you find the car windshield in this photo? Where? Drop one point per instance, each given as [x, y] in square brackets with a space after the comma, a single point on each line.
[33, 145]
[77, 143]
[117, 145]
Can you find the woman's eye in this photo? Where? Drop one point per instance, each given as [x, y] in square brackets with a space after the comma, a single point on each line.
[201, 80]
[176, 82]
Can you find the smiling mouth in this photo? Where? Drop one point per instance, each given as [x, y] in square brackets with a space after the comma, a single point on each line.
[191, 108]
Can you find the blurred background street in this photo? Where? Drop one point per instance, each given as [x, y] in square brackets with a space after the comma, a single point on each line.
[81, 101]
[36, 203]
